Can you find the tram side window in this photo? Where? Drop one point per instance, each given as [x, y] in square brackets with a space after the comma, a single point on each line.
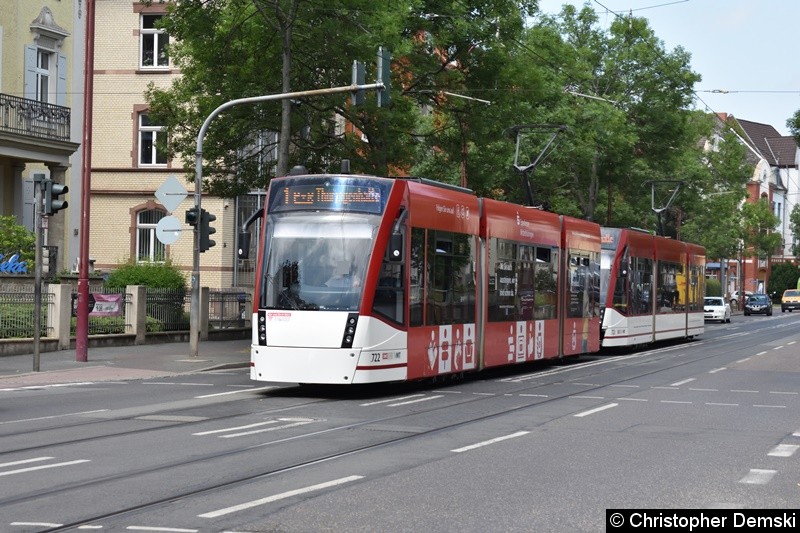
[450, 284]
[546, 284]
[641, 286]
[696, 289]
[582, 295]
[389, 294]
[502, 280]
[621, 292]
[416, 276]
[668, 295]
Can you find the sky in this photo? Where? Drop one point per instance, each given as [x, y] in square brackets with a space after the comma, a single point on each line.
[747, 48]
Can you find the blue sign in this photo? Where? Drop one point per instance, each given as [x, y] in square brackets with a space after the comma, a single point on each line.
[13, 265]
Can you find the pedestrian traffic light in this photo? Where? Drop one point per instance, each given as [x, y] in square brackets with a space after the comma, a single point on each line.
[206, 230]
[52, 191]
[192, 216]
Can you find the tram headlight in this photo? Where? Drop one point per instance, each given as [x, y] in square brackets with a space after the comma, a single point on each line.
[348, 339]
[349, 330]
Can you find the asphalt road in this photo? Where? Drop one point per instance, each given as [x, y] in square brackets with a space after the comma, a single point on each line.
[709, 424]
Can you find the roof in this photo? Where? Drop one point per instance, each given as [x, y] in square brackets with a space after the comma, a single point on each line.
[778, 150]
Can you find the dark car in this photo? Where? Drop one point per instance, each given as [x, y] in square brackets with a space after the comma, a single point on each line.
[758, 303]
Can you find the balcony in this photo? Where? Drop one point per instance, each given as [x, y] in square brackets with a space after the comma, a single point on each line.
[35, 119]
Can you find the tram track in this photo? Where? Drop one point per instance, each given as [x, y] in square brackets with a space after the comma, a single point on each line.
[598, 366]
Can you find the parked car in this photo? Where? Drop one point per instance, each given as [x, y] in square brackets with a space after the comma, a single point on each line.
[716, 308]
[758, 303]
[735, 297]
[790, 300]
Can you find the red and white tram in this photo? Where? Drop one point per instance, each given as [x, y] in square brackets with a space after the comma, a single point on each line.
[652, 287]
[363, 279]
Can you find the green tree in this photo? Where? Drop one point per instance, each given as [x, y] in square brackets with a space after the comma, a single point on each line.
[794, 223]
[782, 276]
[759, 223]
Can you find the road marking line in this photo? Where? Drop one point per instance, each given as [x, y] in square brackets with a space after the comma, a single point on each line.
[684, 382]
[665, 388]
[281, 496]
[214, 431]
[704, 390]
[784, 450]
[758, 477]
[633, 399]
[779, 392]
[51, 417]
[535, 395]
[628, 386]
[581, 397]
[585, 384]
[743, 360]
[674, 401]
[42, 467]
[596, 410]
[285, 426]
[772, 406]
[747, 391]
[167, 529]
[777, 347]
[415, 401]
[790, 343]
[177, 383]
[761, 353]
[391, 400]
[36, 524]
[490, 441]
[235, 392]
[26, 461]
[723, 404]
[717, 370]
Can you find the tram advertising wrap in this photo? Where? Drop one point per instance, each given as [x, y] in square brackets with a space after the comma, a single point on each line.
[364, 279]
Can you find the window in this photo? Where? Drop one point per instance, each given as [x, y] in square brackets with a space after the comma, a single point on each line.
[148, 247]
[154, 43]
[150, 153]
[44, 79]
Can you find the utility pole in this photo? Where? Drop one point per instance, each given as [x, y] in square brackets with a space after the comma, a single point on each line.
[38, 193]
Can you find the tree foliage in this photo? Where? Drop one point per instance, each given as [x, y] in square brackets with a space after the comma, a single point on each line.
[464, 74]
[17, 239]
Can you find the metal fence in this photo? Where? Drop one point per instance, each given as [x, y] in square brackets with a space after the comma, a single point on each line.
[166, 309]
[17, 313]
[229, 309]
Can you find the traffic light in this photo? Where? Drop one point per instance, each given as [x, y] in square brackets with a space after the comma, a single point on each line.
[384, 75]
[192, 216]
[206, 230]
[52, 191]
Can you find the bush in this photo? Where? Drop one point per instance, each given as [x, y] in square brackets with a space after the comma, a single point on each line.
[713, 287]
[783, 276]
[152, 275]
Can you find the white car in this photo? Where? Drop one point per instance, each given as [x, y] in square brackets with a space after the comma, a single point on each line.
[735, 298]
[715, 308]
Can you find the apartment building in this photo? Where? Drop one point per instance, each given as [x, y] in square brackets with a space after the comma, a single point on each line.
[41, 110]
[127, 165]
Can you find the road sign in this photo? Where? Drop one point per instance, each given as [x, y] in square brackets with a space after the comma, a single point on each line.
[168, 229]
[171, 193]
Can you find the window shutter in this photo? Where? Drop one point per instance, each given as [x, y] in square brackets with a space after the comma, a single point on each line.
[61, 87]
[30, 73]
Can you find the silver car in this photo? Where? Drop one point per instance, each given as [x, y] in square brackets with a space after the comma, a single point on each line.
[716, 308]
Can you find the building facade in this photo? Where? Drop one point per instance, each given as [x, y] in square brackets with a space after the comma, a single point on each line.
[41, 92]
[128, 165]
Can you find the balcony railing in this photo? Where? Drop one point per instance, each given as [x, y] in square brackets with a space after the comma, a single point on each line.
[34, 118]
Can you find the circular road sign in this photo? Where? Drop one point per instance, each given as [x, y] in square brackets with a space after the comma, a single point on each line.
[168, 229]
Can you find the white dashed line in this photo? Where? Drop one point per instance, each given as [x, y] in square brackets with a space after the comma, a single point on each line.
[281, 496]
[723, 404]
[717, 370]
[705, 390]
[490, 441]
[633, 399]
[578, 397]
[684, 382]
[675, 401]
[771, 406]
[391, 400]
[596, 410]
[758, 477]
[234, 392]
[415, 401]
[784, 450]
[746, 391]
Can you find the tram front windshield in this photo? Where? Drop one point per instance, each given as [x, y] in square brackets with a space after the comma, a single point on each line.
[317, 260]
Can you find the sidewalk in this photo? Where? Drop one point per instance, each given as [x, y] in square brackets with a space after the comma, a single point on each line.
[122, 363]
